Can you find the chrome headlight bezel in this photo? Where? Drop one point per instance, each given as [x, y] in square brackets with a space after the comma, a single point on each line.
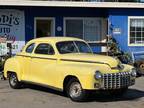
[98, 75]
[133, 72]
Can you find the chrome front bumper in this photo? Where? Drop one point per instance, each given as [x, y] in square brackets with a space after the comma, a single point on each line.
[117, 80]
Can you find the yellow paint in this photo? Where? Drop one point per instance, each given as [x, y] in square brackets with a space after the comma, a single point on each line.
[52, 70]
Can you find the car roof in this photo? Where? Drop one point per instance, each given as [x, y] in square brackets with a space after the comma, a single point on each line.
[55, 39]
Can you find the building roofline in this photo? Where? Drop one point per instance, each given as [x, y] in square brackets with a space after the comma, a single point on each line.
[71, 4]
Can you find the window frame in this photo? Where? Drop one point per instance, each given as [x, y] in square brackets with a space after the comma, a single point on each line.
[83, 19]
[129, 19]
[46, 44]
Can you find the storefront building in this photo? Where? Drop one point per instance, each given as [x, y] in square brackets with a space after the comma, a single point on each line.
[91, 21]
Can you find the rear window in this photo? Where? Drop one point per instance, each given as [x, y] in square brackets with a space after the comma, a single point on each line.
[30, 48]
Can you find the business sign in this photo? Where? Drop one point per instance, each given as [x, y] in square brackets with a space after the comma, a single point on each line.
[12, 27]
[3, 46]
[117, 31]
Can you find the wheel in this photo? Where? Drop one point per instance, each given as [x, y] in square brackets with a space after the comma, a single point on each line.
[13, 81]
[74, 90]
[140, 67]
[119, 92]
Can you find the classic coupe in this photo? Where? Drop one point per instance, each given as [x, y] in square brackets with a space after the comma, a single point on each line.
[68, 64]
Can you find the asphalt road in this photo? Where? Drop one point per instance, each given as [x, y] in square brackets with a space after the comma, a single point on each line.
[39, 97]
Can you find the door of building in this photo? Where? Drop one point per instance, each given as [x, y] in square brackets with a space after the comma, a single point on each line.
[44, 27]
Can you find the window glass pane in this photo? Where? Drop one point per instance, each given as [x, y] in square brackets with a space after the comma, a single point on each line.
[51, 50]
[30, 48]
[136, 30]
[132, 23]
[73, 47]
[138, 23]
[88, 29]
[74, 28]
[138, 41]
[143, 34]
[83, 47]
[43, 27]
[138, 34]
[142, 25]
[44, 49]
[66, 47]
[132, 40]
[132, 34]
[92, 29]
[132, 29]
[142, 28]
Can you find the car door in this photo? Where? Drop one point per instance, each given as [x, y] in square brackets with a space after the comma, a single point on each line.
[26, 60]
[43, 65]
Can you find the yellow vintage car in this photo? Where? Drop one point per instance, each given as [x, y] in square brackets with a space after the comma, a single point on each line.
[68, 64]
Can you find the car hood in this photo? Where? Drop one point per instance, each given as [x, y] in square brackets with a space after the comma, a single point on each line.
[90, 58]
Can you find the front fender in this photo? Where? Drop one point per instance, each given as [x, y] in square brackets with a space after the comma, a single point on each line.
[13, 65]
[85, 73]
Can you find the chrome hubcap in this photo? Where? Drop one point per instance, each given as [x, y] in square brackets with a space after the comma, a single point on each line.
[13, 80]
[75, 90]
[142, 66]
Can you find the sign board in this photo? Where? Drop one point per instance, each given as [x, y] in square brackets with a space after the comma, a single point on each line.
[3, 46]
[12, 26]
[116, 31]
[3, 49]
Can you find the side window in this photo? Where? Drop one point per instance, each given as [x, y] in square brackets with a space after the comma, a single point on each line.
[30, 48]
[44, 49]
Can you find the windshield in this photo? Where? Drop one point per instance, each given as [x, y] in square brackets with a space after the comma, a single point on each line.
[73, 47]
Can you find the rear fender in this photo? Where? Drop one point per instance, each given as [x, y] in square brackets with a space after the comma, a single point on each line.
[13, 65]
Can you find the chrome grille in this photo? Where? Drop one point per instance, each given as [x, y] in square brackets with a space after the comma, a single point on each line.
[117, 80]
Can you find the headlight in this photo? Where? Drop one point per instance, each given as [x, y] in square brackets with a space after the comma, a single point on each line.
[133, 72]
[98, 75]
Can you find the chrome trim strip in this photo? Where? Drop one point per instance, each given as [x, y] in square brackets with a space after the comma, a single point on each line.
[38, 57]
[43, 85]
[44, 58]
[84, 61]
[23, 55]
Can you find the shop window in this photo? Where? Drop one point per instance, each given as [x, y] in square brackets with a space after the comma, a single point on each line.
[88, 29]
[74, 28]
[136, 31]
[92, 30]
